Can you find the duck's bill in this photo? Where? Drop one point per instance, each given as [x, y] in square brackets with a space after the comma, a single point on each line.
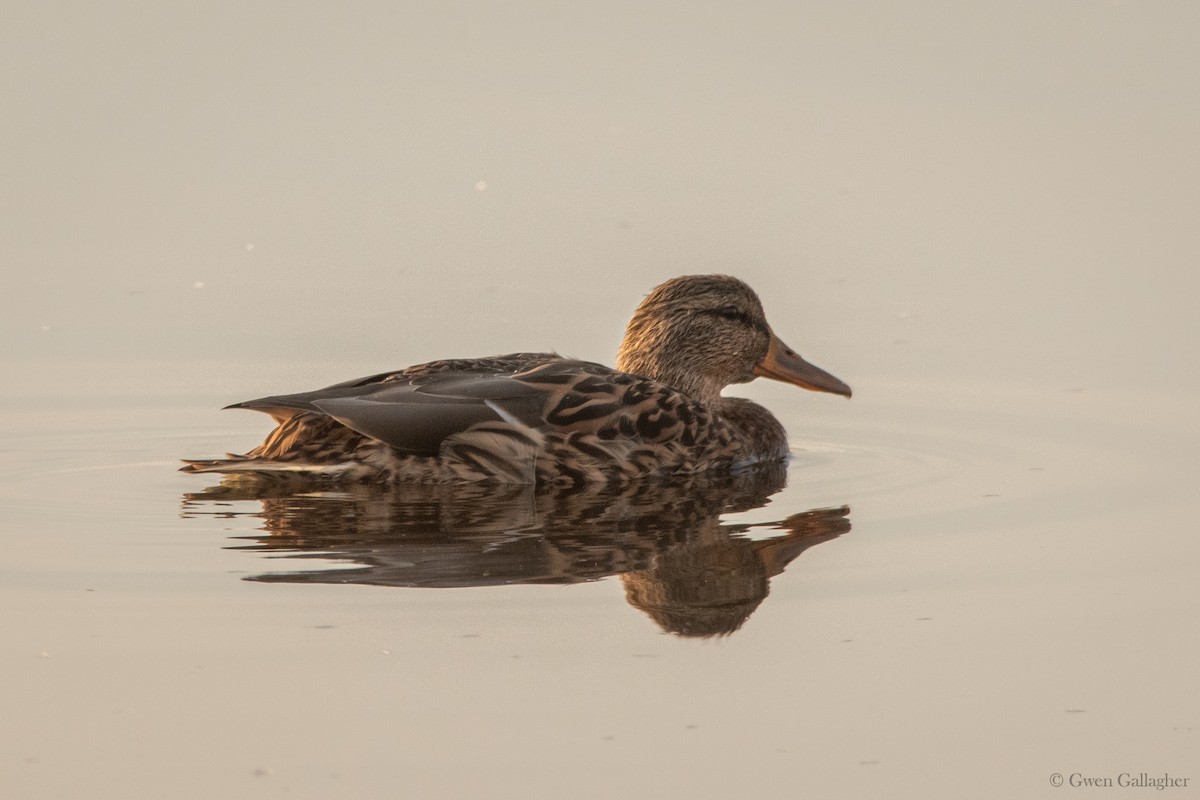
[782, 363]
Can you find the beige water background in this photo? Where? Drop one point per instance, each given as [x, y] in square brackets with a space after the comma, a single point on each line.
[984, 217]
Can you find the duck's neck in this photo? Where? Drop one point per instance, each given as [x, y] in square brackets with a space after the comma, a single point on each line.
[681, 372]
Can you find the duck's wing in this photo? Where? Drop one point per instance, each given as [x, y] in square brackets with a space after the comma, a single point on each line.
[416, 416]
[414, 410]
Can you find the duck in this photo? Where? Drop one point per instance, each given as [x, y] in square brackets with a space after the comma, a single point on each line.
[549, 420]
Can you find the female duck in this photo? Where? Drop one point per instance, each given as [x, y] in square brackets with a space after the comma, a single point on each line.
[542, 418]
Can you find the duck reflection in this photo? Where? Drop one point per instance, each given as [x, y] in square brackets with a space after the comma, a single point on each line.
[691, 573]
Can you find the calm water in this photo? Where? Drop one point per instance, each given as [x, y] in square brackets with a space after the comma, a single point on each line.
[977, 574]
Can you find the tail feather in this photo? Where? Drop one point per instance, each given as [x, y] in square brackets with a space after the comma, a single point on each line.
[258, 466]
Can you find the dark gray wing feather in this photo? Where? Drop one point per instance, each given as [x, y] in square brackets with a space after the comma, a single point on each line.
[416, 419]
[286, 406]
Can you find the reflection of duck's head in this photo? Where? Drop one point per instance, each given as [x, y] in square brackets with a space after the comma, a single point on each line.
[700, 333]
[710, 585]
[700, 588]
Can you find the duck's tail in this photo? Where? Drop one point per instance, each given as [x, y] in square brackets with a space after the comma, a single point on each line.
[305, 444]
[236, 464]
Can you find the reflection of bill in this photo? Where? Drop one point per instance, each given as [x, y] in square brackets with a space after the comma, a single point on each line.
[691, 573]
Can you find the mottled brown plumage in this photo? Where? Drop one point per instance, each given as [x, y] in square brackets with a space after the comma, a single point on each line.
[541, 418]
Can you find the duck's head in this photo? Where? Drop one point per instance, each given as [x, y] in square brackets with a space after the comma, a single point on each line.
[700, 333]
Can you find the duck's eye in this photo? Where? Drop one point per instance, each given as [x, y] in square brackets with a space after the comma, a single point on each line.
[731, 312]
